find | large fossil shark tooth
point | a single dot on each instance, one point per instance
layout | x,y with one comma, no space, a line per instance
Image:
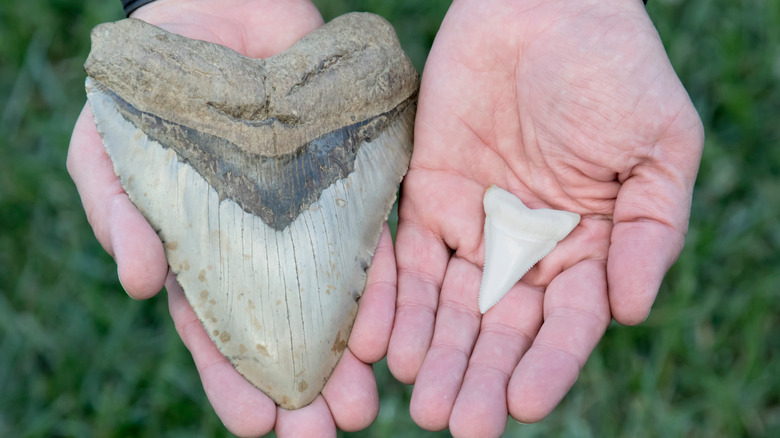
516,238
268,180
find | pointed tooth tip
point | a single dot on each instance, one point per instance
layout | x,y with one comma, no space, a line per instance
484,303
484,307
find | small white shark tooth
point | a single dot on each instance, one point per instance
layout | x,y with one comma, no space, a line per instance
516,238
268,180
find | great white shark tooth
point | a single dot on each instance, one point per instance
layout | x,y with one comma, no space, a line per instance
516,238
268,180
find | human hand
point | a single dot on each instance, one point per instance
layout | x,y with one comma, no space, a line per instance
568,105
256,28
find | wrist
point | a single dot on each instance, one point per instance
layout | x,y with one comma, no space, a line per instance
254,28
152,11
131,5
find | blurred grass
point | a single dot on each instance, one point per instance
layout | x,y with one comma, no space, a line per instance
79,358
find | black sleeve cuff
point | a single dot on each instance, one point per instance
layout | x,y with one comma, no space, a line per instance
132,5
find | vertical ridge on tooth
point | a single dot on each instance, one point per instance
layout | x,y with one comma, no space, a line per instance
516,238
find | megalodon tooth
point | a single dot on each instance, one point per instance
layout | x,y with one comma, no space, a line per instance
268,180
516,238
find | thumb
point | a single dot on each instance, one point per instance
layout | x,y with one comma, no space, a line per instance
118,225
651,221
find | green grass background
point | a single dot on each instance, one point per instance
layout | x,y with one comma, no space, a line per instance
79,358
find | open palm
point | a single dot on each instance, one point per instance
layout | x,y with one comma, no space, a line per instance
568,105
256,28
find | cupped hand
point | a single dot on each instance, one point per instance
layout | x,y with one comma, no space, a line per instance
255,28
568,105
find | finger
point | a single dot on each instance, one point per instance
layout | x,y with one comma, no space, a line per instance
457,326
243,409
651,220
651,215
374,322
422,260
312,420
351,394
119,227
640,255
506,333
576,316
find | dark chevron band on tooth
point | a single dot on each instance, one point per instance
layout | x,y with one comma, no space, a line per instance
275,188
